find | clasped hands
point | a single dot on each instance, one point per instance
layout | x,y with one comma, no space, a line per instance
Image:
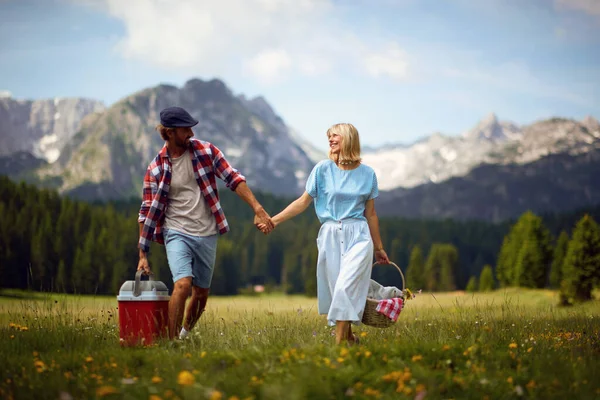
263,221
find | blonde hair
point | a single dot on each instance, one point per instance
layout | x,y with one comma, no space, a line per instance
350,148
163,131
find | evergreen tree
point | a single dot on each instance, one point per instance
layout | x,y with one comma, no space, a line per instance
40,254
416,269
486,279
581,268
61,278
309,269
525,254
433,267
507,257
472,285
560,251
448,255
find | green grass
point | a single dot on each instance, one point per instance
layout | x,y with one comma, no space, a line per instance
502,345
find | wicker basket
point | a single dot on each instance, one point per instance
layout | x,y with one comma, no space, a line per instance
373,318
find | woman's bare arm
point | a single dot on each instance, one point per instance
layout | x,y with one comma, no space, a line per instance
373,221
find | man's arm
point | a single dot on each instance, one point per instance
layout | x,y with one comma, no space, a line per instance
143,261
260,215
149,189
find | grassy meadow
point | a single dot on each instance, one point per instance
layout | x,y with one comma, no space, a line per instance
508,344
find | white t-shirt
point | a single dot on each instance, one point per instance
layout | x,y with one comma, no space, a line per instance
187,211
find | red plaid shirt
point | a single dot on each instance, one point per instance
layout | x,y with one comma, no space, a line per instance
207,162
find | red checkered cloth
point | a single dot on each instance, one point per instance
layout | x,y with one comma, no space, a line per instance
391,308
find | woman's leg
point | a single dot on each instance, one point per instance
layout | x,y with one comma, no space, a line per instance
341,331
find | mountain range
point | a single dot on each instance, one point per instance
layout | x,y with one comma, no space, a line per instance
439,157
110,151
493,171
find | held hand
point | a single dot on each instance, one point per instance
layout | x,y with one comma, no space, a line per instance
144,265
262,218
381,257
263,228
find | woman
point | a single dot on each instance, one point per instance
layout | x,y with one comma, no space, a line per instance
344,191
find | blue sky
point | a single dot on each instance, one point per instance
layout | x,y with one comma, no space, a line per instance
398,69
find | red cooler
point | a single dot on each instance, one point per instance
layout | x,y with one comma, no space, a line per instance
143,311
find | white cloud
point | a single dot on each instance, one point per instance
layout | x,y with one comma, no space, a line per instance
591,7
392,62
269,39
269,66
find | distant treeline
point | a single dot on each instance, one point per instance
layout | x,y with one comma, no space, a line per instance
53,243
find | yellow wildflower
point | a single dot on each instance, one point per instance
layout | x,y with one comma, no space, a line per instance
89,359
106,390
512,346
185,378
39,365
216,395
156,379
417,357
372,392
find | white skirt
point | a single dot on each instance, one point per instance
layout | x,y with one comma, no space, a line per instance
344,269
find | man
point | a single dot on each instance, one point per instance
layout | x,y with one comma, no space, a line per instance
181,210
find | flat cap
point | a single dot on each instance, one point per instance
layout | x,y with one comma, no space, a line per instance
176,117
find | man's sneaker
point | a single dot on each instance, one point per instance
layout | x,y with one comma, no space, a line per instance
183,334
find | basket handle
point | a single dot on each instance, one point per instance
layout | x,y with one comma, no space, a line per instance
399,270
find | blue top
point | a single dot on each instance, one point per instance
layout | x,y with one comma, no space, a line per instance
341,194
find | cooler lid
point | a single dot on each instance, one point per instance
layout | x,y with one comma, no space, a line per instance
137,286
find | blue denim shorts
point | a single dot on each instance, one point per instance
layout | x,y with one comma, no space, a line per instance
191,256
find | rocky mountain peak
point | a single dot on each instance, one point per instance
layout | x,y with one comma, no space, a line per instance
122,141
490,119
490,128
591,123
42,127
438,157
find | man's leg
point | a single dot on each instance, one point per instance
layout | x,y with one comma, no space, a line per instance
195,307
205,250
181,292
